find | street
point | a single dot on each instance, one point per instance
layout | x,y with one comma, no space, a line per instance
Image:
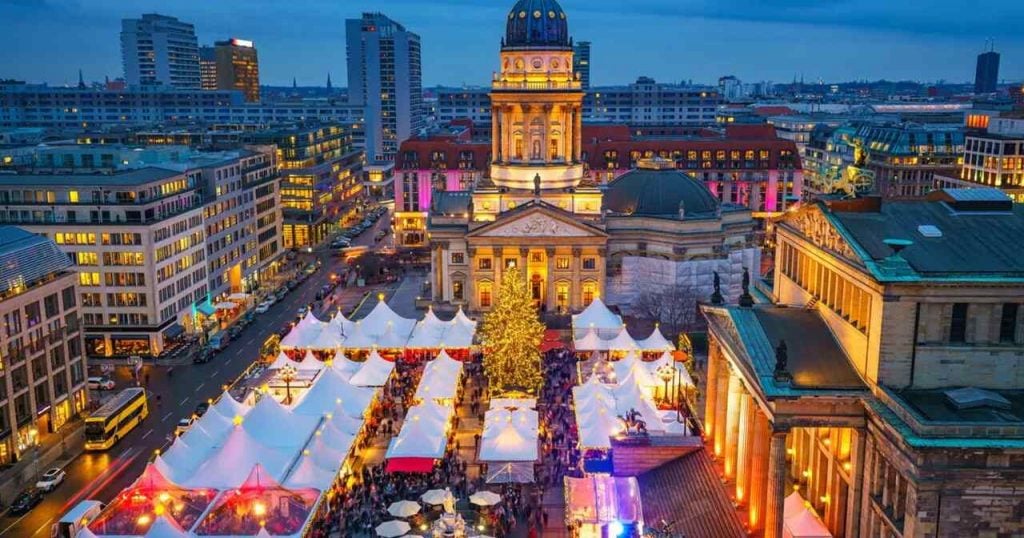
102,475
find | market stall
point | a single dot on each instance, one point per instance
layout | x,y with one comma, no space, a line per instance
600,505
600,318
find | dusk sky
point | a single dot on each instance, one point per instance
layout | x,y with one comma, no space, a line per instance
671,40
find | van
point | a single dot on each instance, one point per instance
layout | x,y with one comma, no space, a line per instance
75,520
101,383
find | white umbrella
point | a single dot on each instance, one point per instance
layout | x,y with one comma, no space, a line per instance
485,498
226,305
404,508
390,529
434,496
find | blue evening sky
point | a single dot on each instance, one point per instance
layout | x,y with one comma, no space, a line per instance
671,40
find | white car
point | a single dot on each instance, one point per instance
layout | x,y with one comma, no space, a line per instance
262,308
51,479
101,383
184,424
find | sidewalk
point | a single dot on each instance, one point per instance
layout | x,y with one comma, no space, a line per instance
56,451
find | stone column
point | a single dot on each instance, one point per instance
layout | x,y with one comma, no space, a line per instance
499,267
857,477
545,140
549,281
743,448
577,283
732,424
721,409
776,490
577,134
760,440
469,288
495,137
711,391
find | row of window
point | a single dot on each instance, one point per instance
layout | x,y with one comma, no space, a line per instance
589,263
842,296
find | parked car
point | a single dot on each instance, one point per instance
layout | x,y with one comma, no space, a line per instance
263,307
235,331
101,383
26,501
201,409
50,480
184,424
203,356
302,312
281,293
341,243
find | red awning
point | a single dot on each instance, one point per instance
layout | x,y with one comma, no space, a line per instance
410,465
553,340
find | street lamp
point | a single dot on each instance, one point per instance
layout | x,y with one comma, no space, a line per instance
288,374
665,373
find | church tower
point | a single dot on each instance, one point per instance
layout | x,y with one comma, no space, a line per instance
537,102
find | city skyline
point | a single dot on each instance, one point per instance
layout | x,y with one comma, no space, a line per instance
694,40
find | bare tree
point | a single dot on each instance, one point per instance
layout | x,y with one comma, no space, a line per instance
675,307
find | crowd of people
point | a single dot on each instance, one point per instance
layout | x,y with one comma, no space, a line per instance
356,508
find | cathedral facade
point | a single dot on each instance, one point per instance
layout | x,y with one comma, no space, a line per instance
537,209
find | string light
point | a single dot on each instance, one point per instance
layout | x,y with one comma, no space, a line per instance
511,335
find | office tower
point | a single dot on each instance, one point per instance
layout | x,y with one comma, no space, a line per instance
581,62
986,75
384,77
238,68
157,49
208,67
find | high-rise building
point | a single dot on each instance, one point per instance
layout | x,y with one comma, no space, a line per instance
160,50
43,386
238,67
385,78
986,74
208,67
581,62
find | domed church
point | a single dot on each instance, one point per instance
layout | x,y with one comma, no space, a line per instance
538,212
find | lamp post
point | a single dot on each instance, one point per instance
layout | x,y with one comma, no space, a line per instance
288,374
665,373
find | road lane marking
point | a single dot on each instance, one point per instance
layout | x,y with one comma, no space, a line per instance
15,523
167,416
216,372
250,342
238,352
183,402
200,386
43,526
149,431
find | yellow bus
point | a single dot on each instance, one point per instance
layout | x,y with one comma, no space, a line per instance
111,422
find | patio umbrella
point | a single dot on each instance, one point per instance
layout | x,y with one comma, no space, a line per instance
434,496
390,529
404,508
485,498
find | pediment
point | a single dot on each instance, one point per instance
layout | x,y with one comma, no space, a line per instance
817,228
537,222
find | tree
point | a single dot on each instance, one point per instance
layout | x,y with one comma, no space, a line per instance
511,337
675,307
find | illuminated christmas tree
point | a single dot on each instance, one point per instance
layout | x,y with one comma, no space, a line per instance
511,337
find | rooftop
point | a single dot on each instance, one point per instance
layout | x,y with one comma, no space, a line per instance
952,234
27,258
936,405
130,178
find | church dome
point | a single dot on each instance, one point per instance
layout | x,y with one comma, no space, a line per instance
537,24
657,189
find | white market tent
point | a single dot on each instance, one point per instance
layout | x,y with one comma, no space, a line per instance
590,341
596,316
309,363
304,333
344,365
441,379
382,328
283,360
509,436
622,342
805,525
656,342
375,372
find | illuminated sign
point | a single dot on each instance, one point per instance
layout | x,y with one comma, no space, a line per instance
241,43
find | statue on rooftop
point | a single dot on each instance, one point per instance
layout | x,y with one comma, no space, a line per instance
716,296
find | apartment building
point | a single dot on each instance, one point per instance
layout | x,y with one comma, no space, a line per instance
43,365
